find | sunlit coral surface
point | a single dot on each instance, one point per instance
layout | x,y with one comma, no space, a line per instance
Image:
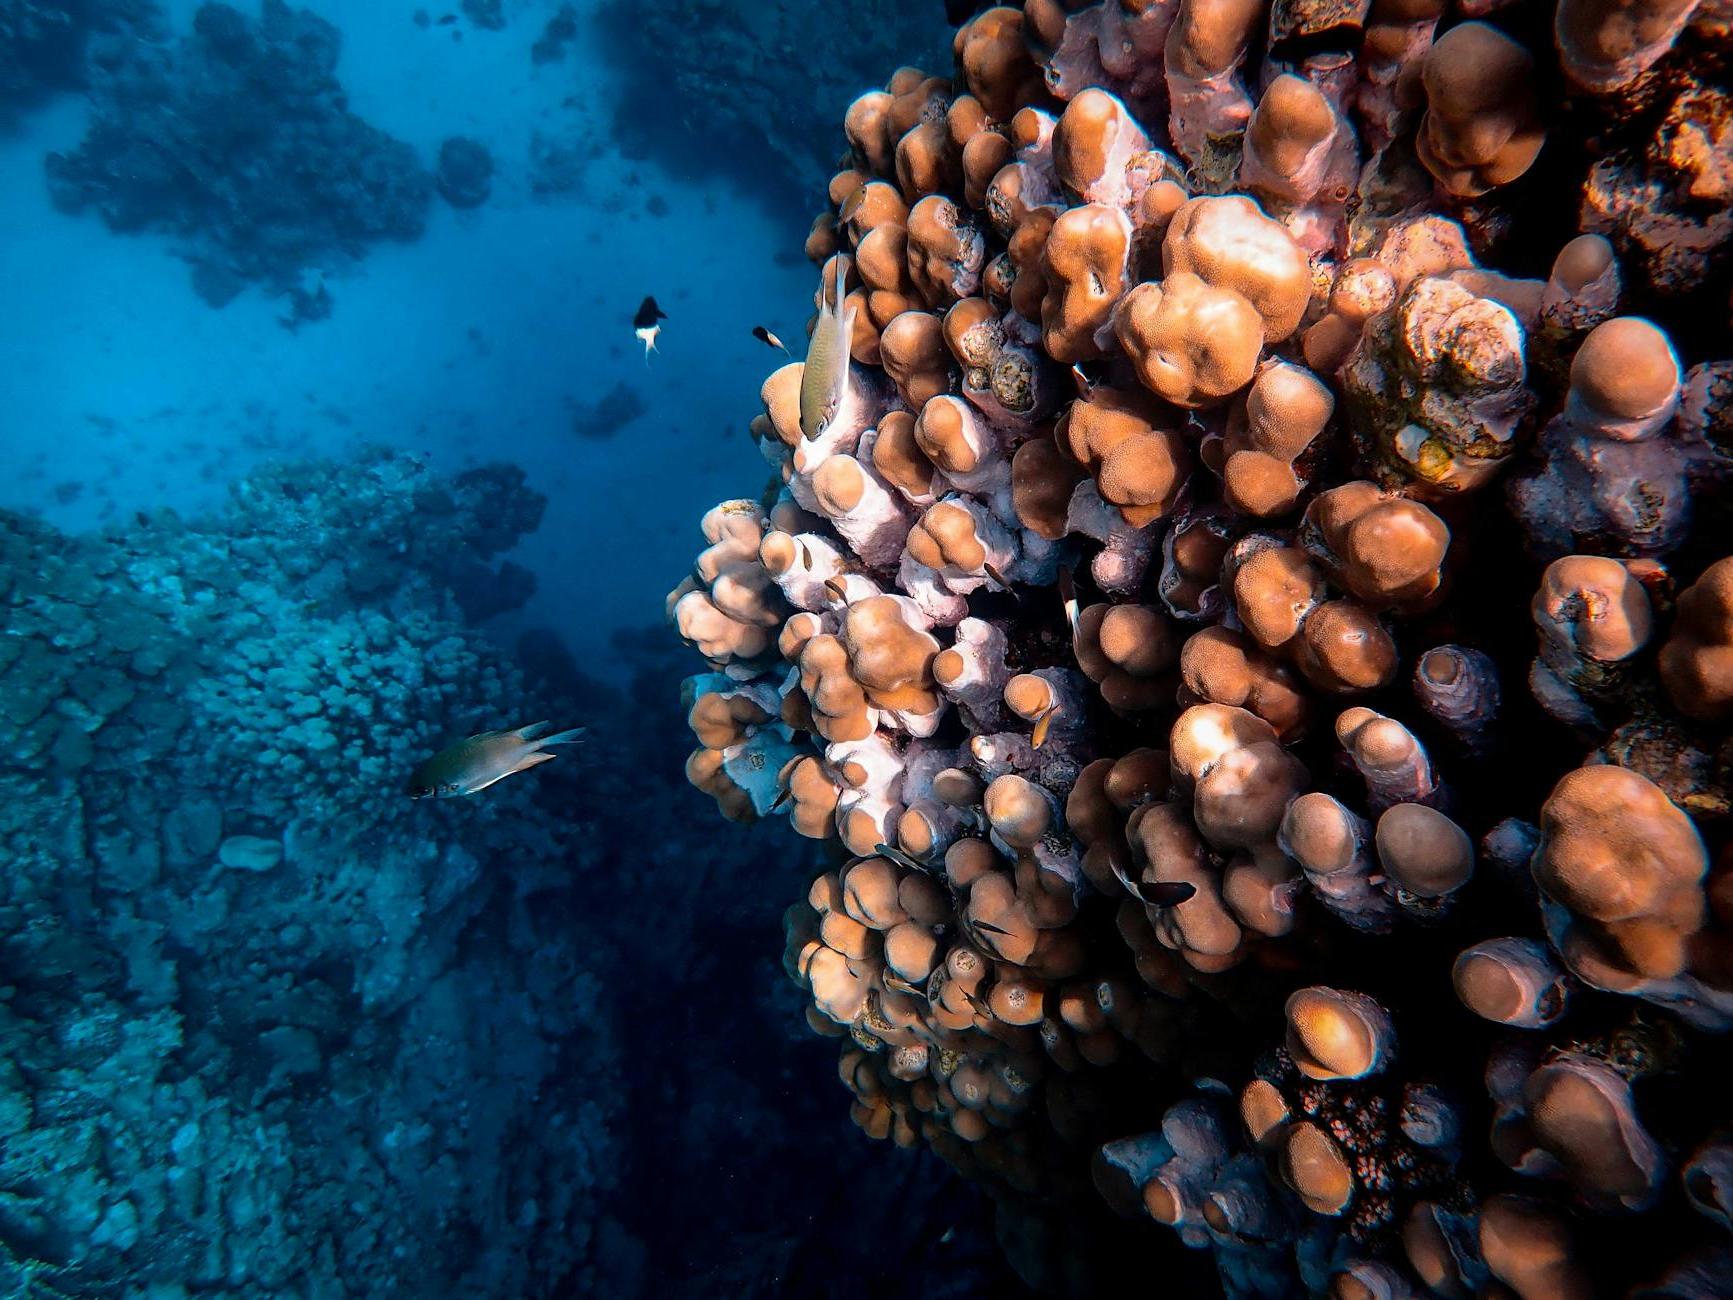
1256,629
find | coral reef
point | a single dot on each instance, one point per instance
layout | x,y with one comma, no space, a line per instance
557,33
48,45
271,1027
485,14
237,141
735,79
1249,630
608,414
729,1087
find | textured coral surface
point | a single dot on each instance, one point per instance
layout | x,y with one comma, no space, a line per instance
1249,625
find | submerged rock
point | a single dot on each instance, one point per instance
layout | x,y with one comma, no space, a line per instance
465,175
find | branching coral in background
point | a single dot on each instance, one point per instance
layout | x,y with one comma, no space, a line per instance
1233,391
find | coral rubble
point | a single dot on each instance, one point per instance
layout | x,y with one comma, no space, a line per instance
270,1027
237,141
1252,633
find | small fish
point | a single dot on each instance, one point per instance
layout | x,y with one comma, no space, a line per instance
1085,385
446,20
824,379
897,856
1043,725
470,766
990,928
977,1003
645,327
995,575
805,555
1068,594
765,336
784,797
893,980
1162,893
836,588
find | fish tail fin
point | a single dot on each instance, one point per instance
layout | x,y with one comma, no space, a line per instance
533,730
562,737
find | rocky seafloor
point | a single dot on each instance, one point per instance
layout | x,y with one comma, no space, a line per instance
271,1027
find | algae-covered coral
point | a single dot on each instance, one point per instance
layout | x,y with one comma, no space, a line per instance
1253,636
264,1036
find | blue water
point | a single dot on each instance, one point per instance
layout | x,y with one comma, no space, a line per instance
267,1027
469,344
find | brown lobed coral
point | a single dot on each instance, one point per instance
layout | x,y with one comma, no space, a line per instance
1256,640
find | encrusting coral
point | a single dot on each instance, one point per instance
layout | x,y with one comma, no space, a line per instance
1271,575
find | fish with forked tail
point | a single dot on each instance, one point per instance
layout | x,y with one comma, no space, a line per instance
824,379
765,337
645,325
471,765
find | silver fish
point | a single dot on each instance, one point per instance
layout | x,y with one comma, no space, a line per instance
824,378
471,765
765,337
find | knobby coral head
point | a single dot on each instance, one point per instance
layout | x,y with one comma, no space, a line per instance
1241,595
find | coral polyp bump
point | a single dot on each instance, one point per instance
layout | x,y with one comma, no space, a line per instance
1256,640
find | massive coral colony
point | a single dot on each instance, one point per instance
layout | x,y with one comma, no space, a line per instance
1257,622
